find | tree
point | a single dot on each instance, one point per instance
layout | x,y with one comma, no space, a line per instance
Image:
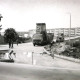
1,17
10,36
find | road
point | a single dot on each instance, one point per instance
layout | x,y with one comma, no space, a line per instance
46,68
13,71
22,56
41,60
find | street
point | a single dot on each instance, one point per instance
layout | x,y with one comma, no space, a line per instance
24,55
41,60
27,24
45,68
13,71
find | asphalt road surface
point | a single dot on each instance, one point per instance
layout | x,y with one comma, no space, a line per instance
13,71
41,60
59,69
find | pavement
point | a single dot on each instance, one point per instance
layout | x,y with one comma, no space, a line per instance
14,71
45,67
24,56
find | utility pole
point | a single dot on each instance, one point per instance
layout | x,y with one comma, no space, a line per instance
69,27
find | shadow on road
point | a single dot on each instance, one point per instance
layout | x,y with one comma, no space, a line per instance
7,60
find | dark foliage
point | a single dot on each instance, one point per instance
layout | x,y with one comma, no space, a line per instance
72,52
10,34
24,40
76,44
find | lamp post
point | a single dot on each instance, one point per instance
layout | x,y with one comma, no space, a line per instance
69,26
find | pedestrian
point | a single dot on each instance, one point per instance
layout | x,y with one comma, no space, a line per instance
9,43
51,44
17,42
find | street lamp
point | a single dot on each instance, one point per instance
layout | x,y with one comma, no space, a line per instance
70,27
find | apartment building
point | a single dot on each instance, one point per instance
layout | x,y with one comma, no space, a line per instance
66,31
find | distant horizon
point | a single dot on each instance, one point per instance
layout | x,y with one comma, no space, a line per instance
46,29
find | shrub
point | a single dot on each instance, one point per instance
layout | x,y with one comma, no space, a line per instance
72,52
76,44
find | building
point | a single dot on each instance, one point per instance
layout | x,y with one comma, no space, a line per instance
23,34
66,31
31,32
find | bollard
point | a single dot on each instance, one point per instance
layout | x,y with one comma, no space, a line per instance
32,58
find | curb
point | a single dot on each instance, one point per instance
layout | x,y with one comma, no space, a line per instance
67,58
63,57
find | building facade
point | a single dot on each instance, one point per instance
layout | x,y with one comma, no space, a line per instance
66,31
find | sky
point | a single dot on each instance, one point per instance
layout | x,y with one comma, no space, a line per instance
22,15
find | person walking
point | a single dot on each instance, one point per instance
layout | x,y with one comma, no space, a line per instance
17,42
9,43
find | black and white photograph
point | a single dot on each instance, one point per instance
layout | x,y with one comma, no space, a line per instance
39,39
